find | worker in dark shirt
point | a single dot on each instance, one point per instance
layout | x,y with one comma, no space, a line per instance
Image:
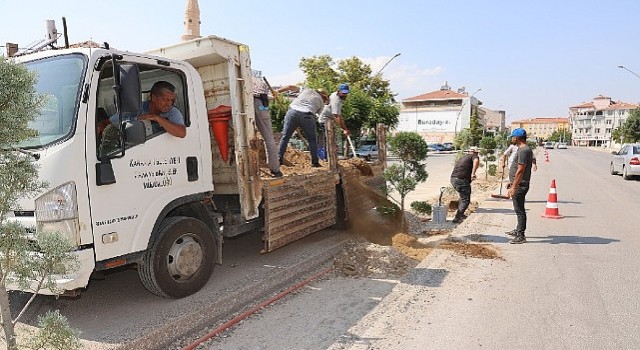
464,171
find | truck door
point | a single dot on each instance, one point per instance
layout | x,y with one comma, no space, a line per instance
150,175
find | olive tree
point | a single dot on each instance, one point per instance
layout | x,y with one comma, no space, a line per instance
19,105
404,176
488,154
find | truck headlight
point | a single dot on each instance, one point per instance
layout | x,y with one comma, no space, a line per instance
57,210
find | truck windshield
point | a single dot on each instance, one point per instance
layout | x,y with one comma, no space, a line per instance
59,80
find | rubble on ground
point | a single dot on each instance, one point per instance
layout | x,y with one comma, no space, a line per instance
380,247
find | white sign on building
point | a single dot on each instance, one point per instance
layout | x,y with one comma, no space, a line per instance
428,121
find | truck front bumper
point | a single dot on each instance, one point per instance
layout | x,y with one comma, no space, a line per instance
78,278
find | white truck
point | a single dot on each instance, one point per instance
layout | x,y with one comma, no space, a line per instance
144,197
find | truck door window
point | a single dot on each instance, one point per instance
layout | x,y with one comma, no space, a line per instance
107,132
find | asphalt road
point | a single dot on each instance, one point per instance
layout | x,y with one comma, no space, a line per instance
573,285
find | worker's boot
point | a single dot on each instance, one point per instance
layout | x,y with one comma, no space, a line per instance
459,217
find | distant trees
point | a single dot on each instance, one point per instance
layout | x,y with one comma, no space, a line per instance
370,101
561,135
469,136
629,131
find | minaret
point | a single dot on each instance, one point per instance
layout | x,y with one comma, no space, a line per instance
191,21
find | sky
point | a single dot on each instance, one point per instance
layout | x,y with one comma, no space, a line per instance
531,59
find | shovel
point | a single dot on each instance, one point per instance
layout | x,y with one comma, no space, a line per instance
500,195
353,150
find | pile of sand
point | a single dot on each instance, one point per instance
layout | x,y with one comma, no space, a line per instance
365,259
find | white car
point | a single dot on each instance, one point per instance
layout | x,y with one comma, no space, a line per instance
562,145
626,161
549,145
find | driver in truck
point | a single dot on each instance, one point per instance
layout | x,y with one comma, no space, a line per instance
159,109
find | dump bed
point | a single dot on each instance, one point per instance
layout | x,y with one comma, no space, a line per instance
225,69
294,206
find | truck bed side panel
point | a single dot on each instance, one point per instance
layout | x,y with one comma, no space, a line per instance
296,206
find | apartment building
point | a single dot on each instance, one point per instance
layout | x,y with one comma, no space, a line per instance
592,123
541,128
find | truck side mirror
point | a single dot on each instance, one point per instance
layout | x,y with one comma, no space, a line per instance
130,90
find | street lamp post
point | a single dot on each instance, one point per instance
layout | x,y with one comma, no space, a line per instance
630,71
455,129
385,65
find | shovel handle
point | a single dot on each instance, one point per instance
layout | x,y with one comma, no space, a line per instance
353,150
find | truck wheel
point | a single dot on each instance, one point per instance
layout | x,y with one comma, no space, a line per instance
180,259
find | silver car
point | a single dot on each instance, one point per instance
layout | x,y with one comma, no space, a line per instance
367,152
626,161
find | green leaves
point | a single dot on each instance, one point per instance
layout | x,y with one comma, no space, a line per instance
409,146
19,102
26,260
403,177
370,100
630,130
54,333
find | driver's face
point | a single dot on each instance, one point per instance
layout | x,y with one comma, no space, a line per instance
163,101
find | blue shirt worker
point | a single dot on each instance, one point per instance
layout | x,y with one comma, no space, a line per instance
333,111
464,171
519,176
161,110
302,114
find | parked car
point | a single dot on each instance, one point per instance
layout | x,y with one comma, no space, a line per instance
626,161
562,145
435,147
367,152
448,146
548,145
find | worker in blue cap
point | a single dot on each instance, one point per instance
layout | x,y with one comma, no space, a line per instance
519,177
333,112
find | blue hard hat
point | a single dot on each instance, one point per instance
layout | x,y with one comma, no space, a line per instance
343,88
519,132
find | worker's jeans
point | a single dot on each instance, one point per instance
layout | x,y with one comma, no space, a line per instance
263,122
518,200
307,124
464,190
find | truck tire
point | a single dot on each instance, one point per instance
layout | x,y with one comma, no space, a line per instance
180,259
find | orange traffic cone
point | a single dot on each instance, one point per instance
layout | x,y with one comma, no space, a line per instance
219,122
551,211
546,156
